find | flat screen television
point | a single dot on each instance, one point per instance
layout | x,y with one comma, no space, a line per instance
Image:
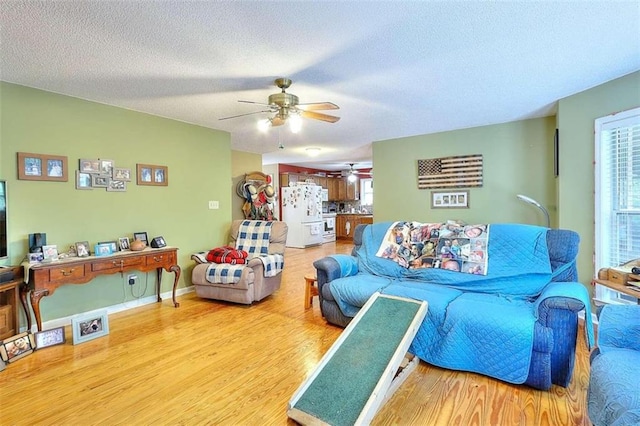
3,220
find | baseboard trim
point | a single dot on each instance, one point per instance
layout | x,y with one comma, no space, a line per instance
120,307
594,317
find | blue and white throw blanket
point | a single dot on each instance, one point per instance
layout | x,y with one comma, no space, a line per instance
253,237
479,323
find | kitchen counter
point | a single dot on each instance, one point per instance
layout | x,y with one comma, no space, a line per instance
355,214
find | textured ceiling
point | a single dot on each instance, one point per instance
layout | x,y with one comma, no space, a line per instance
395,68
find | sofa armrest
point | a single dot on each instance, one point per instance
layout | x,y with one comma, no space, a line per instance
200,257
336,266
619,327
566,296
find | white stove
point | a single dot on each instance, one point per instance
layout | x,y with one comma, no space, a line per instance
329,231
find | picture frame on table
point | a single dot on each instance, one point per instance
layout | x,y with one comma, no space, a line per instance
123,242
142,236
102,249
90,165
16,347
82,249
152,175
83,180
42,167
89,326
50,252
52,337
449,199
112,244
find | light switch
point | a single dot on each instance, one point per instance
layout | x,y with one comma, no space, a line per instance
213,205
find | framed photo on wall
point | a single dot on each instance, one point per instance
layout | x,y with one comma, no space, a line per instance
152,175
42,167
449,199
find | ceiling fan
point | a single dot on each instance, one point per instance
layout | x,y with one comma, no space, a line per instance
285,106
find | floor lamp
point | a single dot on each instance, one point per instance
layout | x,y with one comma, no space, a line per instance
538,205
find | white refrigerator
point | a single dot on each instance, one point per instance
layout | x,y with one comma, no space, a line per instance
302,211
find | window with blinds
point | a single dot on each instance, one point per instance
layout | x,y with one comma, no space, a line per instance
617,209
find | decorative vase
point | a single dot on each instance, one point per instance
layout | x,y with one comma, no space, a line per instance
137,245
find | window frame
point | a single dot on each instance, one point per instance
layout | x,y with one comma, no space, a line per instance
604,212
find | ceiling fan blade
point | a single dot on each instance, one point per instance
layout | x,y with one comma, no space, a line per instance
242,115
319,116
317,106
255,103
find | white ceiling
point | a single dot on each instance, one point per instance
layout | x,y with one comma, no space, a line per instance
395,68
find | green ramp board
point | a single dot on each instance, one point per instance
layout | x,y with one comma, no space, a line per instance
353,378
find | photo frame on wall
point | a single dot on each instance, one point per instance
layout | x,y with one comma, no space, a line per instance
449,199
83,180
42,167
152,175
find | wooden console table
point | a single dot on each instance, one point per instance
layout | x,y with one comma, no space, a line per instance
44,278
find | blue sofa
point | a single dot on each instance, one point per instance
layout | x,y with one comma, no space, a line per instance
614,384
518,323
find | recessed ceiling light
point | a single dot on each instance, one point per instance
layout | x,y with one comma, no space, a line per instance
313,152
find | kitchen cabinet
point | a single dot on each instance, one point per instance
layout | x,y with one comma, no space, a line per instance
332,186
352,189
353,220
342,189
287,178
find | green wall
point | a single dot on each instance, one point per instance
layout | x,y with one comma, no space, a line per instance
241,164
576,116
517,157
199,164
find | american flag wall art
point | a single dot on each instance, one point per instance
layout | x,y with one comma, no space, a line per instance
450,172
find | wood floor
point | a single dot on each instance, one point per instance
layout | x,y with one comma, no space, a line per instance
216,363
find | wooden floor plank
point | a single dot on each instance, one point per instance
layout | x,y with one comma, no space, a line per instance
210,362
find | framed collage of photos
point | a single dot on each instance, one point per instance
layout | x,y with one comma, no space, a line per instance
449,199
102,173
42,167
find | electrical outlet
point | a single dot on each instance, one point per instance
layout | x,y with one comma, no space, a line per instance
213,205
132,279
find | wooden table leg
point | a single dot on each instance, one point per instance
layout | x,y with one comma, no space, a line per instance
35,304
24,290
177,271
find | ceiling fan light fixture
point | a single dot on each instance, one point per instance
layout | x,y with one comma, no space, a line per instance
313,151
351,178
264,124
295,123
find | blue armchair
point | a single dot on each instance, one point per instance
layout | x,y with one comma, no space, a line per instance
614,385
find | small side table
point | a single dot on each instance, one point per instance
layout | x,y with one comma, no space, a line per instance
310,290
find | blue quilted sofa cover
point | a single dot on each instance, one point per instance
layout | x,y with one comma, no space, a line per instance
518,323
614,385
